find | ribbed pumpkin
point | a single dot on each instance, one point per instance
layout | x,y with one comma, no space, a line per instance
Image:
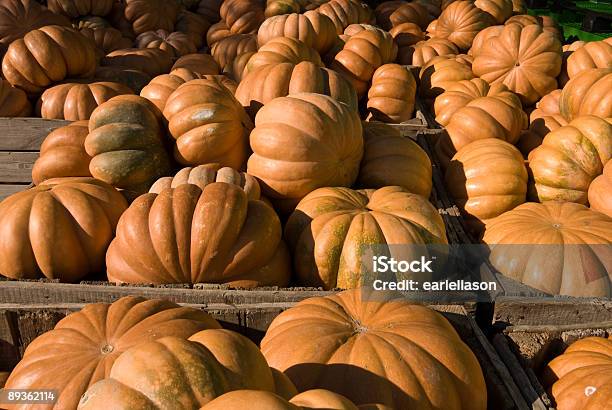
91,22
482,37
303,142
194,25
208,124
500,10
486,178
390,159
226,51
279,80
152,61
365,345
589,93
422,52
243,16
106,39
218,32
391,96
580,378
547,106
202,64
264,400
204,175
600,191
561,248
312,28
212,242
146,15
362,54
460,22
594,54
393,13
547,23
176,44
538,129
570,158
75,101
135,79
13,101
94,338
238,68
281,7
62,154
162,86
47,55
126,144
526,59
76,8
59,229
283,50
405,35
441,72
343,13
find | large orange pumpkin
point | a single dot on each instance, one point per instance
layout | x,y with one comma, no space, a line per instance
460,22
218,32
482,37
547,23
59,229
588,93
303,142
161,87
283,50
226,50
422,52
343,13
547,106
600,191
366,345
406,35
538,129
391,96
393,13
106,39
77,8
265,400
93,339
208,124
243,16
202,64
500,10
442,72
176,44
148,15
13,101
152,61
562,248
594,54
215,238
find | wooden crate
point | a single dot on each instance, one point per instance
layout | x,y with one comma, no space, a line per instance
20,324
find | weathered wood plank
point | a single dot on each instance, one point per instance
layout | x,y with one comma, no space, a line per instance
10,189
26,134
16,167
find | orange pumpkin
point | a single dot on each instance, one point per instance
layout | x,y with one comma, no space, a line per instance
76,8
13,101
201,64
238,68
176,44
227,50
218,32
283,50
391,96
194,25
500,10
392,13
589,93
600,191
343,13
264,400
405,35
135,79
106,39
547,106
538,129
547,23
441,72
594,54
243,16
162,86
422,52
482,37
146,15
151,61
460,22
281,7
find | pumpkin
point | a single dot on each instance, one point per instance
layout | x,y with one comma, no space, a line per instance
482,37
47,55
226,50
362,54
361,343
580,377
126,144
392,13
441,72
279,80
281,7
314,29
94,338
460,22
264,400
75,101
588,93
390,159
526,59
147,15
291,145
204,175
208,124
77,8
519,7
547,23
194,25
238,68
210,9
392,94
59,229
106,39
215,240
91,22
561,248
570,158
500,10
162,86
600,191
202,64
135,79
217,32
151,61
62,154
13,101
538,129
422,52
405,35
486,178
225,81
343,13
547,106
18,17
283,50
594,54
243,16
176,44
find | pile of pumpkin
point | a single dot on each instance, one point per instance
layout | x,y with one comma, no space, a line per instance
250,113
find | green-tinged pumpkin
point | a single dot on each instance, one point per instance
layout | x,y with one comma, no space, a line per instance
588,93
600,191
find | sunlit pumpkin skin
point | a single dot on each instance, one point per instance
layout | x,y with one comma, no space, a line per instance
194,25
106,39
483,191
460,22
580,377
283,50
76,8
362,54
208,124
570,158
594,54
238,68
547,106
146,15
281,7
126,143
343,13
538,129
588,93
600,191
176,44
13,101
291,145
133,78
162,86
392,13
202,64
405,35
75,101
279,80
390,159
227,50
204,175
482,37
243,16
500,10
59,229
47,55
264,400
94,338
391,96
565,248
442,72
214,240
62,154
422,52
547,23
358,343
312,28
152,61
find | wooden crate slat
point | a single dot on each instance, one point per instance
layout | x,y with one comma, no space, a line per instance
16,167
26,134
